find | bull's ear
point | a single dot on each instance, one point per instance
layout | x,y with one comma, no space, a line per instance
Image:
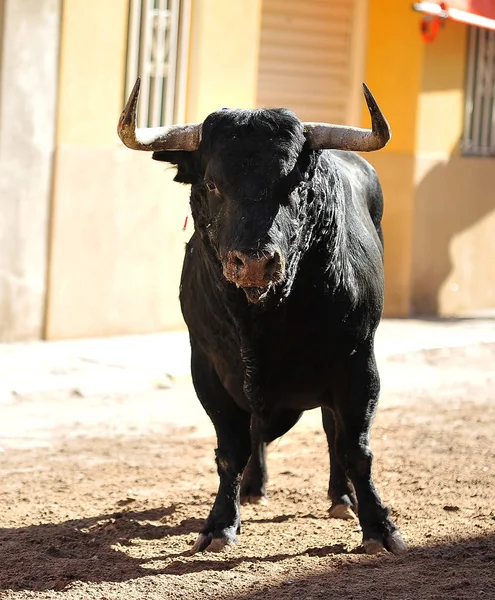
186,163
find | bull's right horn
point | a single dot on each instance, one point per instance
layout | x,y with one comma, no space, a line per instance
343,137
172,137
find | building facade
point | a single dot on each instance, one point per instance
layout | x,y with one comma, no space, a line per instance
91,234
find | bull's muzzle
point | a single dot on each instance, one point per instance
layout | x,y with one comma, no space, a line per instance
255,273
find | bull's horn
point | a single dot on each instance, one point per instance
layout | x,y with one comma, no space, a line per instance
172,137
342,137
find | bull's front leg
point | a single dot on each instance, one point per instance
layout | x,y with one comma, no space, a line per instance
219,533
355,400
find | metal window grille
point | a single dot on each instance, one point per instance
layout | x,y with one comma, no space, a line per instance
157,50
479,121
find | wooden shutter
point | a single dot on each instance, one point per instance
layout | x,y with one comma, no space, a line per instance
305,58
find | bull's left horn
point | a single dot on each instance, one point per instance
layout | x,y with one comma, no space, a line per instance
173,137
342,137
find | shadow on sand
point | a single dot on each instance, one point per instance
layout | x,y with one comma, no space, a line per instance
51,556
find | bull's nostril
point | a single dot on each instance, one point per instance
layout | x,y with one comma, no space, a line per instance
254,270
272,264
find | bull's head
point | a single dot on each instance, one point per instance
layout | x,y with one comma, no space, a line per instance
248,169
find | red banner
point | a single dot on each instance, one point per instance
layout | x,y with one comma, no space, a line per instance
482,8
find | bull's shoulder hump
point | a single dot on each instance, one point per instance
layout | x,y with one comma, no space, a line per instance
351,162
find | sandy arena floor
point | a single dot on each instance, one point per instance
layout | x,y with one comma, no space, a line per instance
102,495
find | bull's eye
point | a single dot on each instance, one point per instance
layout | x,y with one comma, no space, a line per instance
210,186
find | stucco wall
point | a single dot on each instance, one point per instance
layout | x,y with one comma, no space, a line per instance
440,209
454,219
393,73
28,90
454,244
117,243
223,66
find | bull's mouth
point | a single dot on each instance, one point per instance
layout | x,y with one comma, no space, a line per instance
256,294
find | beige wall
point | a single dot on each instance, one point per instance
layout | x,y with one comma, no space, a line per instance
91,71
396,173
117,240
120,244
29,39
454,245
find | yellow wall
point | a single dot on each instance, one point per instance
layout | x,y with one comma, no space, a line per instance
116,236
439,207
92,63
394,68
454,246
441,101
116,242
224,56
393,73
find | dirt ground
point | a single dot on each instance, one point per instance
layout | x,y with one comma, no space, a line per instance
109,512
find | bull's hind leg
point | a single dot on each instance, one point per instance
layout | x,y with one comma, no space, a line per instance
340,489
255,477
355,400
233,438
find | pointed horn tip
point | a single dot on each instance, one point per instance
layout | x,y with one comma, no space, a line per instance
373,106
368,95
128,113
136,86
134,95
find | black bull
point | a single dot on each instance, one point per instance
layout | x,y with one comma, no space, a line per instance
282,292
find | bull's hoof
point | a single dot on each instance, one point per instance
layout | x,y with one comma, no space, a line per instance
342,511
207,543
374,547
393,542
252,492
262,500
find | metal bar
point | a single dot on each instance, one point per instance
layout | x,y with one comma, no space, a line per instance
467,140
487,91
145,66
132,46
492,96
172,61
161,16
478,90
184,38
357,55
431,8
